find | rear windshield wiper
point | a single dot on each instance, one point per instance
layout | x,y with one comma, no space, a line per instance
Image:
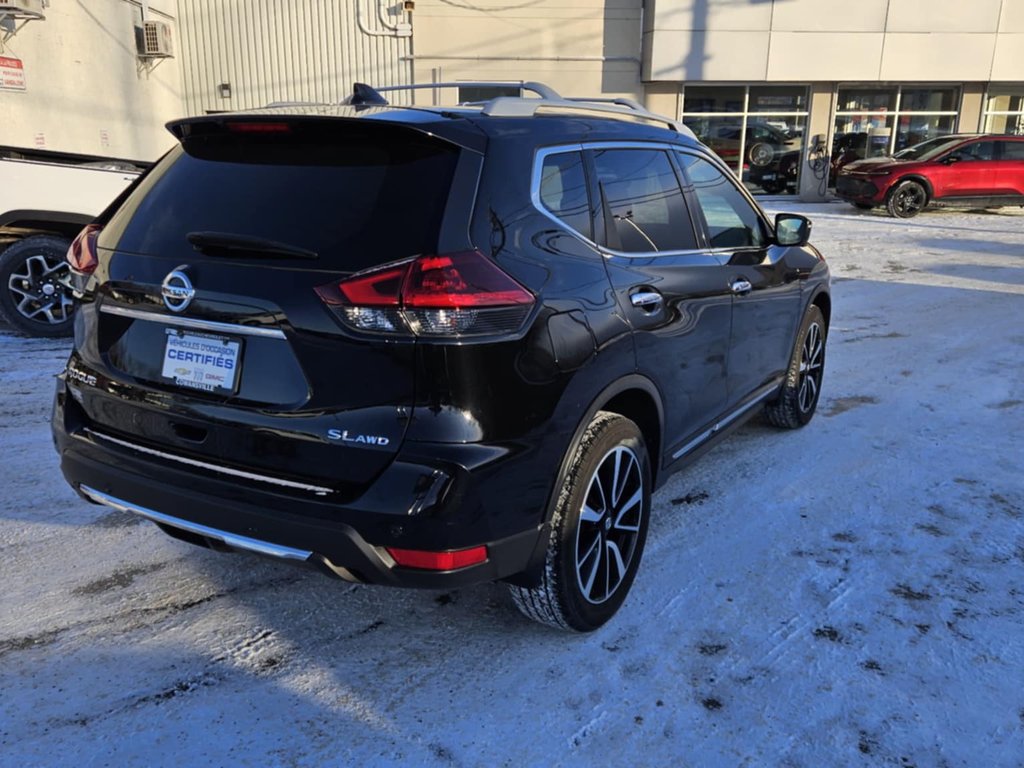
227,244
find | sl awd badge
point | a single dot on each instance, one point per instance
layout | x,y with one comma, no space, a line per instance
177,289
345,437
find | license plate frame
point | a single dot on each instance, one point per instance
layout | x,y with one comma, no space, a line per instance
203,362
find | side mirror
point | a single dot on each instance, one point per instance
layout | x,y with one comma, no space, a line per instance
950,159
792,229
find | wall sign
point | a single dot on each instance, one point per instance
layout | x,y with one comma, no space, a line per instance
12,74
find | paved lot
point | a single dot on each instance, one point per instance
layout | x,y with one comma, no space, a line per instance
850,594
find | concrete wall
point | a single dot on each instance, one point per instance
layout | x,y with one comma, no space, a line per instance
85,91
578,47
288,50
834,40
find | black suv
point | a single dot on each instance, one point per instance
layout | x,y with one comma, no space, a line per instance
431,346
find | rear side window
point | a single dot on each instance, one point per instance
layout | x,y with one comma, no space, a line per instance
731,221
563,191
644,201
1012,150
356,196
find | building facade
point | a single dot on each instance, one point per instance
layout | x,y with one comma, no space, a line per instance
789,90
72,79
786,91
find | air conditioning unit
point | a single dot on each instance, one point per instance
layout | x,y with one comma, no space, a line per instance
31,7
155,41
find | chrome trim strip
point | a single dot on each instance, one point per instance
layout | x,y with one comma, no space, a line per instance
538,167
763,393
317,489
194,322
231,539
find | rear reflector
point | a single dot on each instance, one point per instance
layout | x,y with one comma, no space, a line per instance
438,561
82,254
450,295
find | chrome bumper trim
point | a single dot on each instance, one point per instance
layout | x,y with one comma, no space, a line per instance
194,322
319,490
230,539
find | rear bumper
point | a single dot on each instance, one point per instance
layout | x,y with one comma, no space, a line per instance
346,540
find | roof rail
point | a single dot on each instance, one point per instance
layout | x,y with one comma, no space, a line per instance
624,108
363,94
520,106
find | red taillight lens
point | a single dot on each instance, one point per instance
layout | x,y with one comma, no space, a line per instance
452,295
376,289
438,561
460,280
82,254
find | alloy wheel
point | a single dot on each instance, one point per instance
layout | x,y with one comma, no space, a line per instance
909,200
41,290
609,525
812,354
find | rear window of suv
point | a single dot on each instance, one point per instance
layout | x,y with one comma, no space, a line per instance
357,196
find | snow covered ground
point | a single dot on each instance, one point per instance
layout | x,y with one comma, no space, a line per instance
847,594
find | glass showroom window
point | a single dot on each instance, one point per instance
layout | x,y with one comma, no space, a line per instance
871,122
1004,110
757,130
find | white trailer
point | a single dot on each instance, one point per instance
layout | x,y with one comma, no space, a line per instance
45,200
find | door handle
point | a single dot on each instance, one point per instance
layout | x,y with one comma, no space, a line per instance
648,301
741,287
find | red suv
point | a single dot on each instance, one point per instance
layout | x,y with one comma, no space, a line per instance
976,170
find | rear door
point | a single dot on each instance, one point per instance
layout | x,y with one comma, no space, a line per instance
1009,176
205,317
673,293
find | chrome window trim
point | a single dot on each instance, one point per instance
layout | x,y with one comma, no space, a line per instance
193,322
231,539
538,165
319,490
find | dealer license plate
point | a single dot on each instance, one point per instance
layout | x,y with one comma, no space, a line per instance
202,361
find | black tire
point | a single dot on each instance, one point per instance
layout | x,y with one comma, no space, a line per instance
798,399
863,206
593,554
35,292
906,199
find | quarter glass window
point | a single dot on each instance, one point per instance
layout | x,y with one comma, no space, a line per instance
563,191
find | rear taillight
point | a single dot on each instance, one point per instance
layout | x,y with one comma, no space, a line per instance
455,294
82,254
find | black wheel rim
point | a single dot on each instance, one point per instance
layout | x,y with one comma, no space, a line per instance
609,525
910,200
41,290
812,365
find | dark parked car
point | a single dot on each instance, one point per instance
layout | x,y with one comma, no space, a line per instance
432,346
975,170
